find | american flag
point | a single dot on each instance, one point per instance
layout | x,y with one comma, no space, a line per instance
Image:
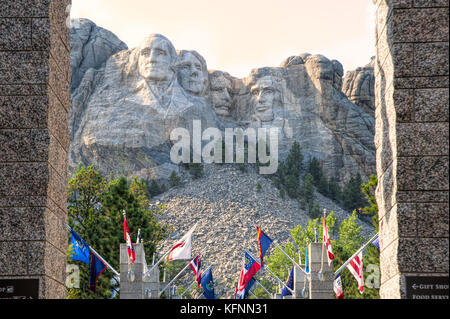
127,236
356,268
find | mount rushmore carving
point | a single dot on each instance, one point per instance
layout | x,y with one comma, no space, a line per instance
125,106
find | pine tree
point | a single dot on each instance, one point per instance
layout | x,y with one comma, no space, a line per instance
174,179
308,189
334,189
323,186
95,213
315,170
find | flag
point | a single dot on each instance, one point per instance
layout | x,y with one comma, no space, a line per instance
138,238
80,248
182,248
289,283
376,242
196,264
97,267
337,287
356,268
263,244
249,268
126,232
207,284
316,240
326,240
306,261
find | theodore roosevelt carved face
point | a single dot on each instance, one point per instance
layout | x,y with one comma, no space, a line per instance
220,90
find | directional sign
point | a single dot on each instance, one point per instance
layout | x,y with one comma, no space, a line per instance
19,288
430,287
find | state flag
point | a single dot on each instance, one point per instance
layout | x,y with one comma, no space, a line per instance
80,249
126,231
264,243
182,248
337,287
196,264
287,290
97,267
249,268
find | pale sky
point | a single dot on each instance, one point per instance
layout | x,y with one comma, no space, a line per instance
238,35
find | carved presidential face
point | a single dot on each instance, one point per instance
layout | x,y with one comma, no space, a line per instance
191,74
155,59
264,97
322,67
221,93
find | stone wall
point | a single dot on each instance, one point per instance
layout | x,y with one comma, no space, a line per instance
34,139
412,140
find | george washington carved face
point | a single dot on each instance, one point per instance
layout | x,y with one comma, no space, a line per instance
156,57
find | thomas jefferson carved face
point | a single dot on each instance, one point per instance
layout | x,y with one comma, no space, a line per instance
221,93
156,58
264,97
192,73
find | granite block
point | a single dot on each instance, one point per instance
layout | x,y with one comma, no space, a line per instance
40,141
419,139
431,105
431,173
24,67
403,59
24,90
15,145
430,59
433,219
16,265
420,25
58,120
430,3
423,196
24,8
23,179
22,223
421,82
23,112
431,257
15,34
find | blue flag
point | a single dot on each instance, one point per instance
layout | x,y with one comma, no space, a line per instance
207,284
306,261
97,267
376,243
315,235
289,283
80,248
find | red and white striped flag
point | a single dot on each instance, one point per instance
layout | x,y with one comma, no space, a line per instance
182,248
326,240
127,236
356,268
337,287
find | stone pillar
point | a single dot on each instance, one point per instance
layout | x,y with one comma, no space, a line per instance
34,140
319,289
412,140
141,287
299,282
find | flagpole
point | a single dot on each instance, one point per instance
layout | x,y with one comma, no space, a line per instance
192,284
178,275
267,267
98,255
323,244
356,253
257,281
